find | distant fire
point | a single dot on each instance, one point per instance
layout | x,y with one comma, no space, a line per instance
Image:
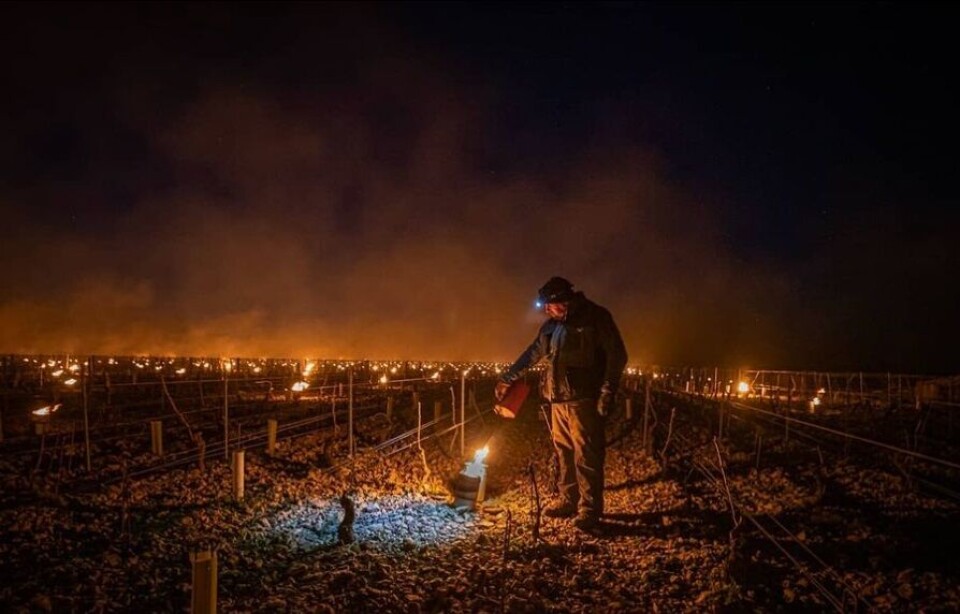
299,386
46,411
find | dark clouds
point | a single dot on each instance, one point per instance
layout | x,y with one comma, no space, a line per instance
349,190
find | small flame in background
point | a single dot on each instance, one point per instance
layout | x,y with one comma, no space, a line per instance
384,379
46,411
743,387
299,386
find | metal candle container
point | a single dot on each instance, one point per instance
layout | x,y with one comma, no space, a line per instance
470,486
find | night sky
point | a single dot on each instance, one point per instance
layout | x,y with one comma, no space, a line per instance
744,185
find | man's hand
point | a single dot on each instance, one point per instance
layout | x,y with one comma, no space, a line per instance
500,391
606,403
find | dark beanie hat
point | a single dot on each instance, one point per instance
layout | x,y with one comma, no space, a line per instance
557,290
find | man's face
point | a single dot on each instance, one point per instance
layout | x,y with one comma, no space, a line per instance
557,311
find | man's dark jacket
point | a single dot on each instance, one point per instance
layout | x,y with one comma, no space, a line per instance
584,353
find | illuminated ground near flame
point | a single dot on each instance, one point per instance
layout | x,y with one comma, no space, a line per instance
387,523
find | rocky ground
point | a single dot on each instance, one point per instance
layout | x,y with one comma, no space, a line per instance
666,543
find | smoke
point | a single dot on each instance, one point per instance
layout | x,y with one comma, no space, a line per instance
329,201
298,229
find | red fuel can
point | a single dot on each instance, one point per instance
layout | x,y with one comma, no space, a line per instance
511,403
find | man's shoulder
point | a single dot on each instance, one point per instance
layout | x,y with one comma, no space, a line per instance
596,312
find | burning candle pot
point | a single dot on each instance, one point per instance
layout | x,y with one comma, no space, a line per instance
470,485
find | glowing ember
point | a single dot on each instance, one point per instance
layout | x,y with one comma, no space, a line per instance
299,386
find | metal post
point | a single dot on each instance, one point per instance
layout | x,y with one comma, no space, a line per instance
271,436
226,415
204,599
156,437
463,412
238,475
350,411
899,390
86,415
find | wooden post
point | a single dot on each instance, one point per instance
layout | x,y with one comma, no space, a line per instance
889,391
204,599
352,445
390,407
437,412
647,407
416,399
156,437
271,436
628,408
238,475
861,388
463,412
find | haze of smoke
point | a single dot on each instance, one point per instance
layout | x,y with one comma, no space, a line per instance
300,238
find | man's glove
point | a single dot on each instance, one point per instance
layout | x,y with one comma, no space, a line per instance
606,402
500,390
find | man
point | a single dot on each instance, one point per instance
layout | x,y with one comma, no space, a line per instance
585,357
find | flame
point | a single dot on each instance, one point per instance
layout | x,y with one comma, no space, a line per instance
46,411
481,455
384,379
435,375
257,369
57,373
181,371
299,386
308,369
70,382
743,387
